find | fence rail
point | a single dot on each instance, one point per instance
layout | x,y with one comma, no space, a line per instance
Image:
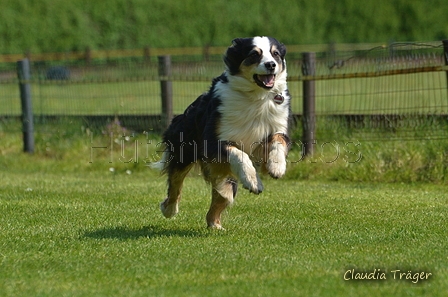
147,52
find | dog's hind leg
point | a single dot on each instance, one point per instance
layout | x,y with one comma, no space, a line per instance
223,193
176,176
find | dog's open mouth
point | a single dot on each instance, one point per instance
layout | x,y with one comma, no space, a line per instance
265,80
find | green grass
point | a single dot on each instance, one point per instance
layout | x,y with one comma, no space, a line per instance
98,234
71,227
110,98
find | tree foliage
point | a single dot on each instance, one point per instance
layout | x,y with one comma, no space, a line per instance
58,25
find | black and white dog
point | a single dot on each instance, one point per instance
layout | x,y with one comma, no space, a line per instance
240,124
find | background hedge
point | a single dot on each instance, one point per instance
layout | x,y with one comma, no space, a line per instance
58,25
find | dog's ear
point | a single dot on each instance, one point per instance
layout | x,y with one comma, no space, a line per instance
282,49
233,57
237,41
280,46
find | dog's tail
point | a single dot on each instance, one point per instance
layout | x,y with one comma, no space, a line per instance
162,164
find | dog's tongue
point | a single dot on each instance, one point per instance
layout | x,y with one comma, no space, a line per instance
267,80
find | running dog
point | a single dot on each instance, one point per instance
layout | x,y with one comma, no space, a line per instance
239,125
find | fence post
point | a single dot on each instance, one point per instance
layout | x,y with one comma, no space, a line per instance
23,73
146,54
166,87
308,117
206,52
445,55
88,55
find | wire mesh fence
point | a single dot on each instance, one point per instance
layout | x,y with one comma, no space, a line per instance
388,92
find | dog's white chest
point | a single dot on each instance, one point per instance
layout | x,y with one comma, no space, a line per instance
248,123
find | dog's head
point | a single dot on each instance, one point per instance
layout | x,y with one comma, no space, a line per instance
260,60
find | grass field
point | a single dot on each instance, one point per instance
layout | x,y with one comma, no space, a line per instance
70,226
108,98
101,234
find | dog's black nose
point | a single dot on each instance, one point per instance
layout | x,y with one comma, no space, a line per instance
270,65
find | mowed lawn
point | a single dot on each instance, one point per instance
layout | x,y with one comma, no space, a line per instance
100,233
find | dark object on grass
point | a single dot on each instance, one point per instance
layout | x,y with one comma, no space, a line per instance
57,73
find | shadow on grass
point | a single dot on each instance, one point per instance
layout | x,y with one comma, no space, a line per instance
125,233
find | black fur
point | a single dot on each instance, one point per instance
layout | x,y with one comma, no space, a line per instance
192,136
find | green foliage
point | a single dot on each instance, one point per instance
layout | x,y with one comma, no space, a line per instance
341,154
402,154
57,26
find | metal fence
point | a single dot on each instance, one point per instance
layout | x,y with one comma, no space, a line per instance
400,88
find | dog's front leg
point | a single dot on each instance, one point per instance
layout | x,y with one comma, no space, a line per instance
242,167
277,151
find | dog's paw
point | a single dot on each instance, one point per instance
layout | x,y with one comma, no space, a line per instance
251,181
242,167
276,164
276,168
169,210
216,226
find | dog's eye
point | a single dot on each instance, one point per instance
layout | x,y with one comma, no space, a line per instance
276,53
252,57
254,54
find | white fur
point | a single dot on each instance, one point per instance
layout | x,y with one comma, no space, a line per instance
277,160
264,44
216,227
242,167
225,190
170,211
249,115
160,165
248,112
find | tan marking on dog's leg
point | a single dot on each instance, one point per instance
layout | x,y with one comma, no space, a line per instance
222,196
259,155
277,151
170,206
